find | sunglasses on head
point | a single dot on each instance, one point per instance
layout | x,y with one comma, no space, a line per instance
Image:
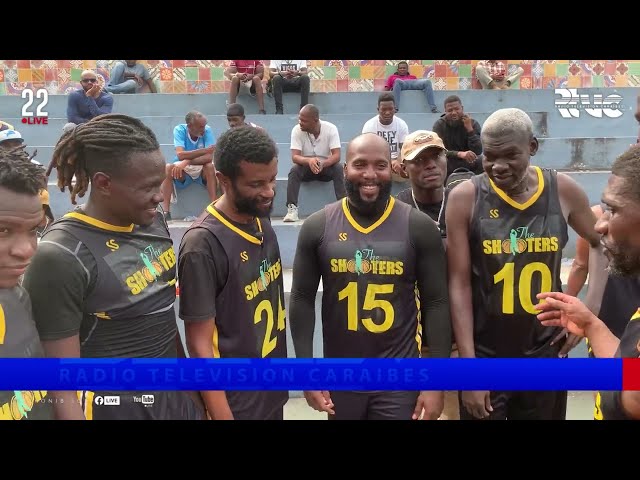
91,80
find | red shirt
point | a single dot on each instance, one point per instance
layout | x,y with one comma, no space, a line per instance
246,66
392,78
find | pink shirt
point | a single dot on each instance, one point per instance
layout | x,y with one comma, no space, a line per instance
392,78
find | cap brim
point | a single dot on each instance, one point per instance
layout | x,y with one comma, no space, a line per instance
419,150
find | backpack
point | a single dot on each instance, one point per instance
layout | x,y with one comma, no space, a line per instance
458,176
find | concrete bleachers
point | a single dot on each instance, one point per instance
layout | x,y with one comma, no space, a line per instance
583,146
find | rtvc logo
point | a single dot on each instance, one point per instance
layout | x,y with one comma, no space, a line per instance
572,102
41,116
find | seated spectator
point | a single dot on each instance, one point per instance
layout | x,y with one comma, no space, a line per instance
87,102
194,143
461,136
246,77
315,152
289,76
12,140
236,117
129,76
492,75
402,80
5,126
392,128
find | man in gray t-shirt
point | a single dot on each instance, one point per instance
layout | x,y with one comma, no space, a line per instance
128,76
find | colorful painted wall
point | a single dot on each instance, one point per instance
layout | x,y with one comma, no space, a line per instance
206,76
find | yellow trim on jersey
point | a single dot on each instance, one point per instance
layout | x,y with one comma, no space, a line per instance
231,226
3,325
528,203
216,346
99,223
636,315
357,226
86,402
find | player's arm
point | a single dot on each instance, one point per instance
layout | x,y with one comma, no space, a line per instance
582,219
431,273
197,273
458,215
580,264
57,283
306,276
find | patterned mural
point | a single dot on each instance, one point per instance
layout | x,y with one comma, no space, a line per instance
206,76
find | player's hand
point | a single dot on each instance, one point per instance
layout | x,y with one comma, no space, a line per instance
320,401
477,403
562,310
570,343
432,403
178,169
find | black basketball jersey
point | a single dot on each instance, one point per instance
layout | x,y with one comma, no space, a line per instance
134,290
608,403
19,339
516,253
620,300
370,300
250,310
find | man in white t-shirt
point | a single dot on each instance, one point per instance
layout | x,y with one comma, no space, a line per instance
289,76
315,152
392,128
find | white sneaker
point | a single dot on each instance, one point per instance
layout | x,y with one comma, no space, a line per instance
292,214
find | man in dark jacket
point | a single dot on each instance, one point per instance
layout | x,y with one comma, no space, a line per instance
461,136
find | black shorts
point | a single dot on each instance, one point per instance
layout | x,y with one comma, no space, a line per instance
523,405
393,405
160,405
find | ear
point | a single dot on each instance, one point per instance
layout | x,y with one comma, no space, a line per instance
344,169
223,180
533,146
101,182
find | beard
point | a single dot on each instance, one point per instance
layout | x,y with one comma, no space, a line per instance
249,206
368,208
624,262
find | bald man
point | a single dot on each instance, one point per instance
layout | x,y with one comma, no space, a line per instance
87,102
383,271
506,230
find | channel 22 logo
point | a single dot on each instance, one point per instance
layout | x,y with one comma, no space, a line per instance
41,116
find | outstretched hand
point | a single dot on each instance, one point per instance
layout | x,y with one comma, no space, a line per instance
562,310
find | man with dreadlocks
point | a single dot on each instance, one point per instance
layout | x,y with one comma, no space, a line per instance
107,269
20,215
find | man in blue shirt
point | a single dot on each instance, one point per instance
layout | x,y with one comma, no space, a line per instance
87,102
193,163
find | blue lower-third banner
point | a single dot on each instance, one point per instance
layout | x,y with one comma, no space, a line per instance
311,374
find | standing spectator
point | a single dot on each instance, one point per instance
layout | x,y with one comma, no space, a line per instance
315,152
492,75
403,80
129,76
392,128
194,143
87,102
461,136
246,77
290,76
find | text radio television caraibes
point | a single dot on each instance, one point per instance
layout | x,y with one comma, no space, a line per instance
33,112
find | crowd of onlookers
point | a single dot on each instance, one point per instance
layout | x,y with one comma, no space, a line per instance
315,143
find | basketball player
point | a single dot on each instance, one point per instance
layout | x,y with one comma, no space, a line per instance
103,279
383,272
505,233
20,215
230,272
618,226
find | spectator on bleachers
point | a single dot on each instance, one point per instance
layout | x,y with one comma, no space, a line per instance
315,152
461,136
236,117
194,143
392,128
129,76
492,75
246,78
5,126
289,76
87,102
403,80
